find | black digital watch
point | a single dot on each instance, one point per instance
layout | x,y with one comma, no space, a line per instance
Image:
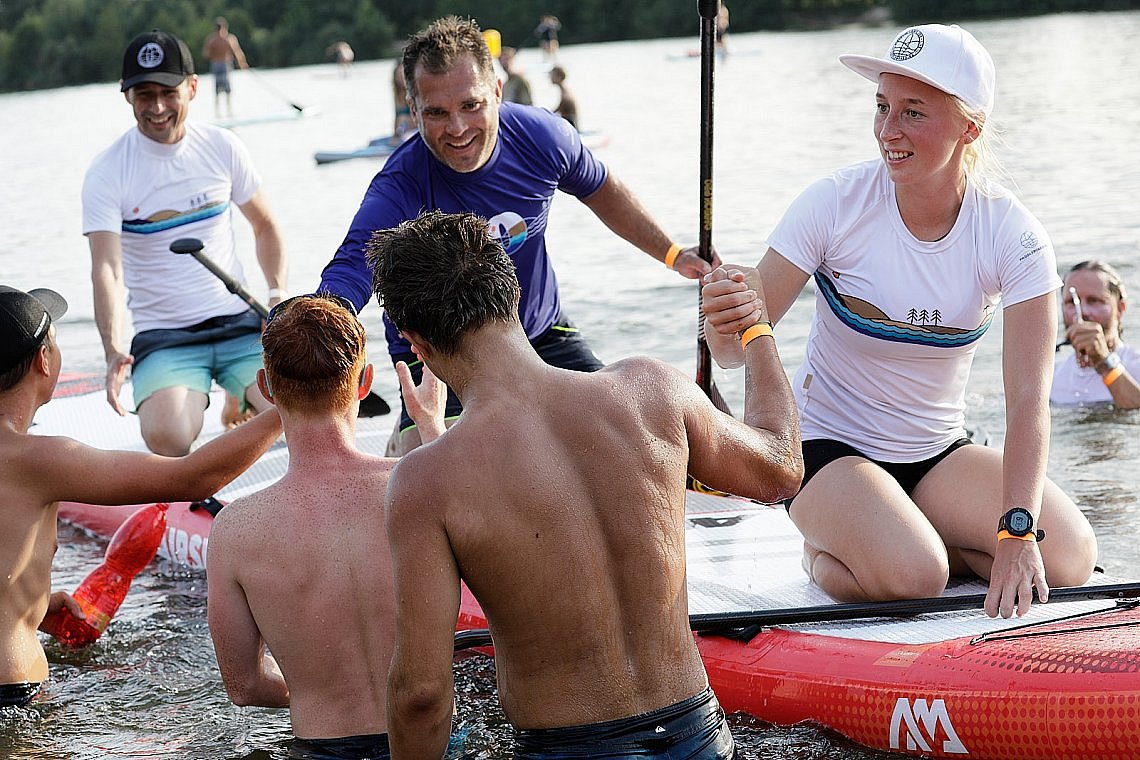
1018,522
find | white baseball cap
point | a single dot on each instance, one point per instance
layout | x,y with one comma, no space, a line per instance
946,57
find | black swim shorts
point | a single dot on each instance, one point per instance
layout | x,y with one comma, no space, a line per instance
361,747
18,694
818,453
690,729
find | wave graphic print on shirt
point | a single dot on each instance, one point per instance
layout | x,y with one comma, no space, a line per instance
168,219
923,326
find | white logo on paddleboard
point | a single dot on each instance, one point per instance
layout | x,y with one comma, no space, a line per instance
906,733
150,55
184,548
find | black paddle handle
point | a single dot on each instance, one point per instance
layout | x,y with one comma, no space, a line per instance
193,246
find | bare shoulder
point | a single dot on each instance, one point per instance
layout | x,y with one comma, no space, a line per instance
35,460
241,520
645,372
419,481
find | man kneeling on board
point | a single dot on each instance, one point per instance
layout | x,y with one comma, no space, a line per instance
37,472
563,509
301,568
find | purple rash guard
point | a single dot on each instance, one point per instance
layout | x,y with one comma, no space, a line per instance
536,153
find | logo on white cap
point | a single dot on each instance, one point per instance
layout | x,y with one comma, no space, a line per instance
151,55
907,45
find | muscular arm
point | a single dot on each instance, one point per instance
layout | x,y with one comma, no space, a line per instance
1029,335
61,469
731,304
110,305
421,692
759,458
250,674
267,239
621,211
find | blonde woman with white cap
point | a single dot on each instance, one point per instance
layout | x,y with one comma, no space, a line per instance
911,255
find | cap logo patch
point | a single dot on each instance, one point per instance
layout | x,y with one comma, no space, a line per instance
907,45
150,55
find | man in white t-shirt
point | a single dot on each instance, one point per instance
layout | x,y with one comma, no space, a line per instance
165,179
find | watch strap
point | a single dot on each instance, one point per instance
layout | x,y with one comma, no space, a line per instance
1030,536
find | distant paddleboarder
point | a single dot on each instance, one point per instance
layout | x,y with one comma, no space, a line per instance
223,52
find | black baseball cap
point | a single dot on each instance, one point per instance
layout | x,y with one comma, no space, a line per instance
24,321
158,57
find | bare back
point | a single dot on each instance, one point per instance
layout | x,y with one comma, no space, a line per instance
311,557
27,546
563,504
220,48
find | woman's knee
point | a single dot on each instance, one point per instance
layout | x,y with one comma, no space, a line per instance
918,580
1071,560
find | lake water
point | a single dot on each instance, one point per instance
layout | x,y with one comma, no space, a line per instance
786,113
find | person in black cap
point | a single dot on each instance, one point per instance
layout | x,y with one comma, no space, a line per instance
37,471
170,178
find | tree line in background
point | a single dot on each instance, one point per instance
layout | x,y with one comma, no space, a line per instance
54,43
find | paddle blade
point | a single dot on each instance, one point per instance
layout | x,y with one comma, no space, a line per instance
373,406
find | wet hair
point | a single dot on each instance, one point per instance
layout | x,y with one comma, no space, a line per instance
443,276
15,375
441,47
1112,278
314,354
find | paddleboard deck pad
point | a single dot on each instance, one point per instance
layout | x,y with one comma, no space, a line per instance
1061,682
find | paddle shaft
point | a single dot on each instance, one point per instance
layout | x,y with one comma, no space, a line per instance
193,246
372,405
719,621
265,83
708,12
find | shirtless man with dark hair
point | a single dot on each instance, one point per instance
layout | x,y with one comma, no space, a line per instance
563,509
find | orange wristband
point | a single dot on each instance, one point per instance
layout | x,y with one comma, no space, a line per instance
671,255
1004,534
752,333
1112,375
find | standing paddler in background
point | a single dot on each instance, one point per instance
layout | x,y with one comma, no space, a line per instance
1102,368
167,178
911,253
37,472
503,161
568,527
223,51
311,548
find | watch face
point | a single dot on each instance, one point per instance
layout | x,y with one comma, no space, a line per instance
1019,521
